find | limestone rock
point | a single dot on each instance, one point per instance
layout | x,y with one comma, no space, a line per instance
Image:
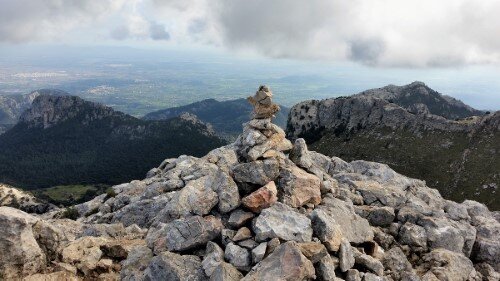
446,265
283,222
298,187
175,267
285,263
262,198
346,256
226,272
21,255
238,256
258,172
184,234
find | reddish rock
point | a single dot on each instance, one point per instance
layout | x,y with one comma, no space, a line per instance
262,198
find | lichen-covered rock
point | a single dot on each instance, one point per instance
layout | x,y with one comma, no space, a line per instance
283,222
285,263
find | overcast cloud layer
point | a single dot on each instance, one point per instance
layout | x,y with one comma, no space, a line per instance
409,33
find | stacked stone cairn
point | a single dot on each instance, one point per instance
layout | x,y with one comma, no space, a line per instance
258,209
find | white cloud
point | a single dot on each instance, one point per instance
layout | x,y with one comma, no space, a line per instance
407,33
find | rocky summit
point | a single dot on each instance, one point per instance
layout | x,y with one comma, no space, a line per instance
260,208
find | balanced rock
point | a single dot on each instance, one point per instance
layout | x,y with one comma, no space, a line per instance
263,104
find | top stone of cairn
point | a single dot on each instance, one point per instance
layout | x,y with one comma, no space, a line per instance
263,106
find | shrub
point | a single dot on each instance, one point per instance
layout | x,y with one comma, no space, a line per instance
71,213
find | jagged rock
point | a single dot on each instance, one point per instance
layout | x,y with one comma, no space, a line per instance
325,268
226,272
353,275
326,229
227,192
238,256
298,187
377,216
283,222
370,263
137,261
413,235
262,198
21,255
353,227
239,218
314,251
487,271
259,252
227,236
257,172
346,256
285,263
487,245
175,267
84,253
242,234
396,263
442,264
184,234
214,256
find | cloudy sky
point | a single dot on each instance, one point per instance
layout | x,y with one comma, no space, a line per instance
380,34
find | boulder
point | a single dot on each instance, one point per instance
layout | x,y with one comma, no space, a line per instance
286,263
21,254
283,222
298,188
353,227
258,172
175,267
226,272
262,198
184,234
238,256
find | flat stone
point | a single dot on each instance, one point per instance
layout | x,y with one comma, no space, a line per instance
283,222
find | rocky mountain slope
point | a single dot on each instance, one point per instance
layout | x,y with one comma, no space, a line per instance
418,97
225,116
459,158
16,198
12,106
66,140
258,209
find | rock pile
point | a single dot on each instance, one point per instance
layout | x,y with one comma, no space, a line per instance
259,209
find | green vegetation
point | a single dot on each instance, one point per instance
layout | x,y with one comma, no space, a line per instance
70,213
90,148
67,195
457,165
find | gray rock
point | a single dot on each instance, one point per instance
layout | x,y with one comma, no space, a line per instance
238,256
227,236
184,234
442,264
413,235
175,267
371,277
325,269
326,229
285,263
226,272
353,275
487,245
227,192
239,218
353,227
259,252
346,256
214,256
257,172
248,243
21,254
298,188
137,261
370,263
283,222
396,263
377,216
